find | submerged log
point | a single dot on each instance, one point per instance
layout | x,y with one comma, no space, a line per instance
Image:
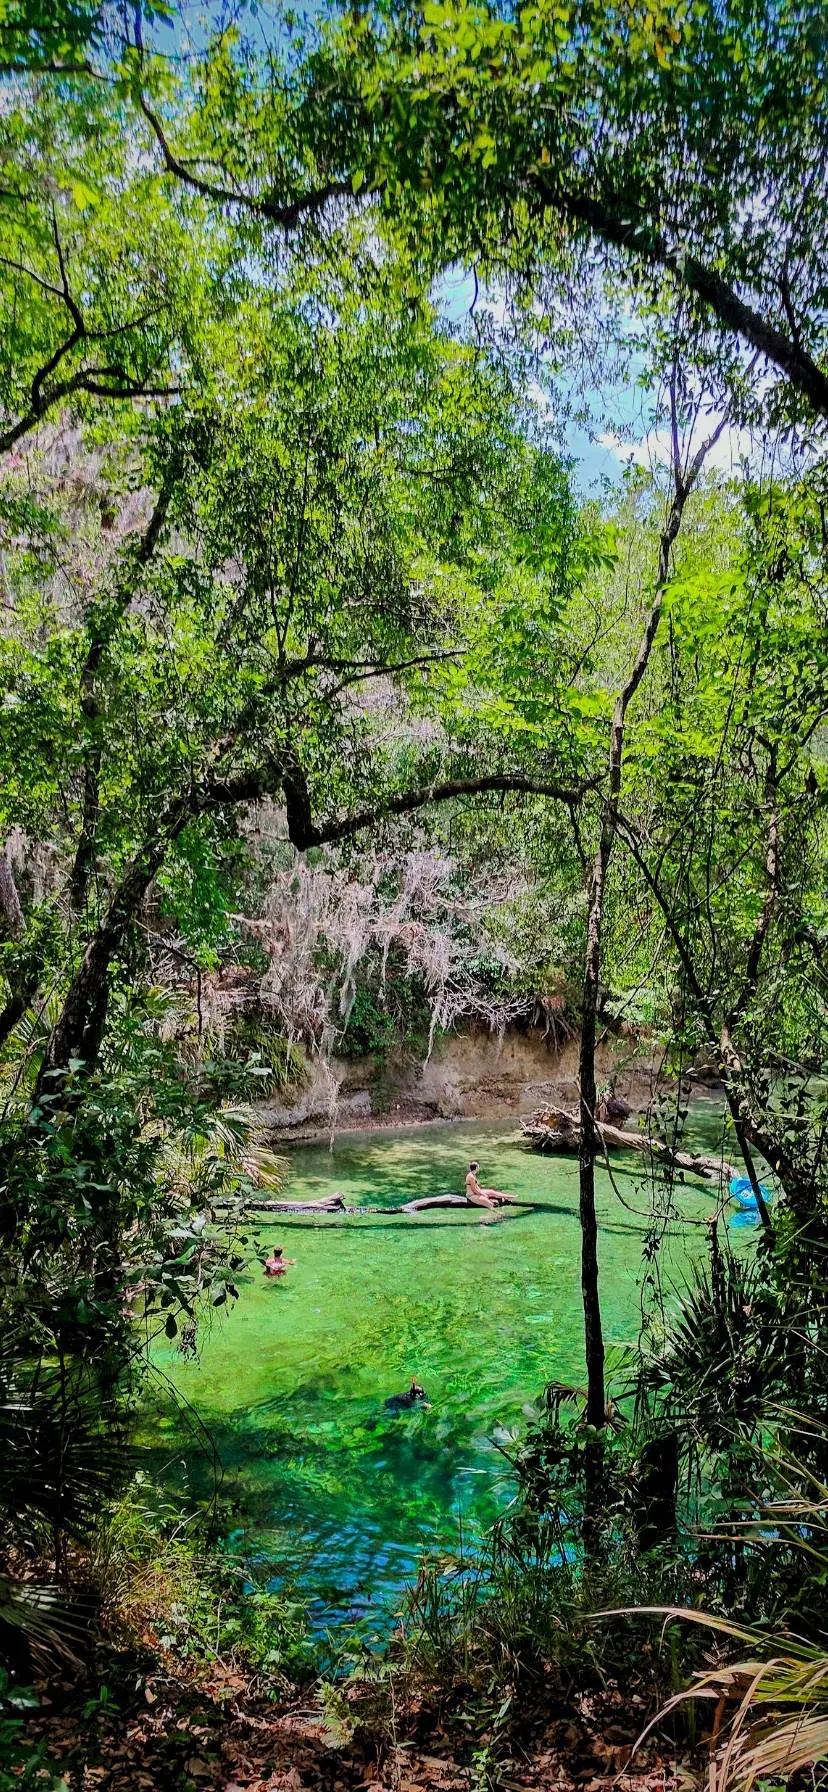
555,1129
267,1204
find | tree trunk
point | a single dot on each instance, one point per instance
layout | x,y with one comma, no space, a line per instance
593,1335
10,908
593,1332
78,1031
102,630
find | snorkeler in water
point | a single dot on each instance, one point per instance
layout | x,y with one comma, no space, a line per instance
414,1396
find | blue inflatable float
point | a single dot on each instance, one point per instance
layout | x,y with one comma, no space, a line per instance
742,1193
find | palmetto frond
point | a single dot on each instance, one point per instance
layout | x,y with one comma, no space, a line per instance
61,1455
51,1624
725,1349
780,1694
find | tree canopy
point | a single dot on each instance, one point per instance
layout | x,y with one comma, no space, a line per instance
303,604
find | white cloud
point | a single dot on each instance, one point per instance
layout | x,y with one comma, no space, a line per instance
733,448
732,452
541,399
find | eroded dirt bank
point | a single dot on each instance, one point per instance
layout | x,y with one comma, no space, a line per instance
475,1074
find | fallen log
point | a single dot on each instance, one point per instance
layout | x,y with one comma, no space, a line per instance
336,1204
555,1129
447,1201
267,1204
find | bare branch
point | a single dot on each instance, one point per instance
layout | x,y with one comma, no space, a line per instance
98,381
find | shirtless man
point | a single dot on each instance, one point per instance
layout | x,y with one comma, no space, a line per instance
482,1197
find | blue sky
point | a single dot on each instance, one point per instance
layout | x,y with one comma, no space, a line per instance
596,460
622,431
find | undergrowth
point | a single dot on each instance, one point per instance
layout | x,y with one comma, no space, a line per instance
168,1580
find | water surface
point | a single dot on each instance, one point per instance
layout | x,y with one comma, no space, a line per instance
292,1383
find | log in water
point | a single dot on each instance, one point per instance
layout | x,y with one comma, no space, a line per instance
337,1204
555,1129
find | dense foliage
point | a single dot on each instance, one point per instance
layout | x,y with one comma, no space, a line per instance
305,623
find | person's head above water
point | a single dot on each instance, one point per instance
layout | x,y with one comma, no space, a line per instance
474,1166
415,1392
278,1250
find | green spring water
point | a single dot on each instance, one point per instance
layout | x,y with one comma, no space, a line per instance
291,1384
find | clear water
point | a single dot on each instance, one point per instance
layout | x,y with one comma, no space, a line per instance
292,1383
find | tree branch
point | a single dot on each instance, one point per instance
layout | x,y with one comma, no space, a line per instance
286,216
304,832
641,240
79,1028
99,382
21,67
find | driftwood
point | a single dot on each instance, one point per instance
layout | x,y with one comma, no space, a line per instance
555,1129
336,1204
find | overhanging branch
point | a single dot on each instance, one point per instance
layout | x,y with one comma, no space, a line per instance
304,832
287,217
636,237
98,382
79,1028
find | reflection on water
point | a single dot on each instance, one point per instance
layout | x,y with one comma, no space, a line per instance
483,1311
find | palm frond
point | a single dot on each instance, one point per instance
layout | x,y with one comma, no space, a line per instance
53,1626
786,1680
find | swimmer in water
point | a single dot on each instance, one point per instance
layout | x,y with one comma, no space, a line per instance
414,1396
277,1264
482,1197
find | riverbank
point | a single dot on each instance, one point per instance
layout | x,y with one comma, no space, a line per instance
403,1114
138,1722
474,1074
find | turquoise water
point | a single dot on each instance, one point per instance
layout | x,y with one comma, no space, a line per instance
291,1384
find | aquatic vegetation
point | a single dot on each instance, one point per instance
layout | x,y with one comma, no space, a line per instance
293,1388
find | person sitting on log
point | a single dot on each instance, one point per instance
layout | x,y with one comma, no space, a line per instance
278,1264
482,1197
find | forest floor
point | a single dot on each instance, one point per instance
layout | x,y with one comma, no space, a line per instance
157,1729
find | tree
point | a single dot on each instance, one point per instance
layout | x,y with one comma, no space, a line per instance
736,874
680,145
686,468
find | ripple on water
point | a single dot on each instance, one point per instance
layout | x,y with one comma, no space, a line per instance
293,1383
